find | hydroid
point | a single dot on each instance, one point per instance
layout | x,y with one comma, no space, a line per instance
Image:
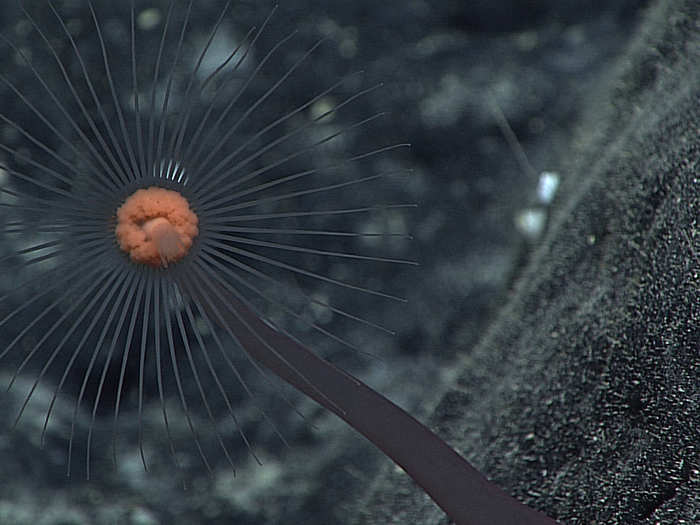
208,280
154,187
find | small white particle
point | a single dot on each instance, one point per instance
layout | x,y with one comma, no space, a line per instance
149,19
547,186
141,516
530,222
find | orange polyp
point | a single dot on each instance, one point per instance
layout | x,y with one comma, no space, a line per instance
156,226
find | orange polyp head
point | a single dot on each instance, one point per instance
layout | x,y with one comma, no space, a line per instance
156,226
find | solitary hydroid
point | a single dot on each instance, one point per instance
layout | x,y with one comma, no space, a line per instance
135,190
164,237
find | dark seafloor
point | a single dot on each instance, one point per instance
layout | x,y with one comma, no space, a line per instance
565,367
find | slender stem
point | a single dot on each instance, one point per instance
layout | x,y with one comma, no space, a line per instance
459,489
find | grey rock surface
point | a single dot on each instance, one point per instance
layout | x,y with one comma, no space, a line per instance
583,399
